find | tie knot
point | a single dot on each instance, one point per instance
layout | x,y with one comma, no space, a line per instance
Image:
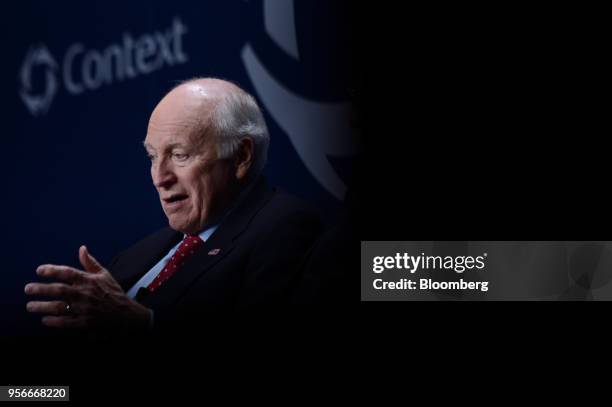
193,239
191,242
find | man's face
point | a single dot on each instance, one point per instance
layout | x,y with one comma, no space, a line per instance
194,186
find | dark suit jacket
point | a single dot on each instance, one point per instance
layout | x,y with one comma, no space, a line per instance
260,246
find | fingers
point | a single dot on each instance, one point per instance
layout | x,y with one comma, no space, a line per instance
62,273
57,315
60,290
66,321
88,261
47,307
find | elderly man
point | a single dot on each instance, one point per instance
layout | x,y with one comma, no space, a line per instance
232,240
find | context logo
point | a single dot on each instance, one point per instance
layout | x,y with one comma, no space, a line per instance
316,129
38,57
84,69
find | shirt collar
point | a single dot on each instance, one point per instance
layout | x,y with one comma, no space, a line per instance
206,233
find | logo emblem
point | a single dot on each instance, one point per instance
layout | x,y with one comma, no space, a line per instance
317,130
214,252
38,57
80,69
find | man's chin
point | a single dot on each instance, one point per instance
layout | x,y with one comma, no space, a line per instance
177,225
182,227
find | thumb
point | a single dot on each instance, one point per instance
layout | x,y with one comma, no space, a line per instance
88,261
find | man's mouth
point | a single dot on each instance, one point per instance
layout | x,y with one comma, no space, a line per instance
175,199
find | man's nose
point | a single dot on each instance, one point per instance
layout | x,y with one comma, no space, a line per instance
162,174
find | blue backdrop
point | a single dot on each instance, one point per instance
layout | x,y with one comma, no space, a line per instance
80,80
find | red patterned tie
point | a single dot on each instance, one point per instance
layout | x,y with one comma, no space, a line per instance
188,247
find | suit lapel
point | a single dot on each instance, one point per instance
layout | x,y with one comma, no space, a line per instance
147,256
220,244
200,262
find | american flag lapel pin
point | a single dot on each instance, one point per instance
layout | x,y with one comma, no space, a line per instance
214,252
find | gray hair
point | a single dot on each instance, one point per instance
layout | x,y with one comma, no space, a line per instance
237,116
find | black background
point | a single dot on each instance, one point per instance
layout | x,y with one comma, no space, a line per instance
490,126
485,123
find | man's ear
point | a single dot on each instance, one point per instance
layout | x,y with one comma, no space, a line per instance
244,157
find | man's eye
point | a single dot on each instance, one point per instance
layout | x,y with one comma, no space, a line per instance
151,157
180,156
